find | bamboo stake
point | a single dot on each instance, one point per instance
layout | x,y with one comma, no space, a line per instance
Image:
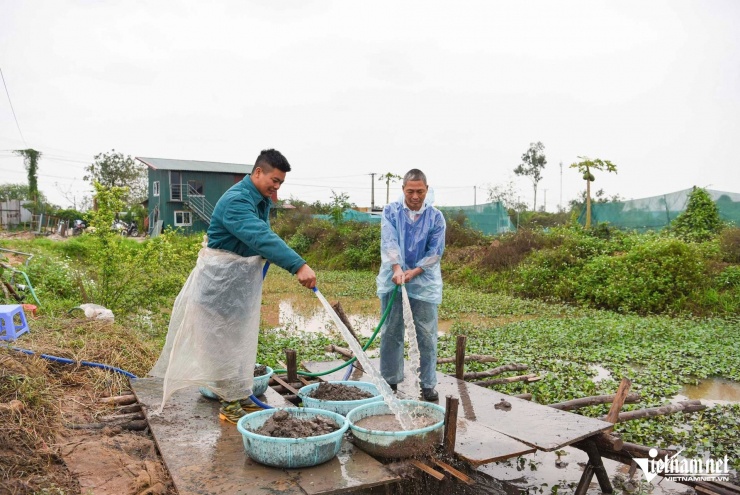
339,310
460,357
496,371
684,407
592,401
450,432
618,403
511,379
478,358
119,400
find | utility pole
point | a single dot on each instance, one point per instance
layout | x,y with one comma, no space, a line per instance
544,206
560,205
372,191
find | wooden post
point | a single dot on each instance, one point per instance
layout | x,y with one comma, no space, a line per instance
460,357
618,403
291,365
450,434
339,310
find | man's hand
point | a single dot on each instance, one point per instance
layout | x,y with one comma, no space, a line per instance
398,275
306,277
408,275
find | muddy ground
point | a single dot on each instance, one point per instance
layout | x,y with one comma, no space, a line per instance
55,442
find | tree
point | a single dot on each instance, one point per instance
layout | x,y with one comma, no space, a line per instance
389,177
339,203
507,195
700,221
585,166
14,191
114,169
533,161
31,162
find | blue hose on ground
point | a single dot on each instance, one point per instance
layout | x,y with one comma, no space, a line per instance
72,361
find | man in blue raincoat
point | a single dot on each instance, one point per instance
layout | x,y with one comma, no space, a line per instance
412,240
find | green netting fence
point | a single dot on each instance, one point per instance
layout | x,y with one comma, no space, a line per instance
489,218
658,212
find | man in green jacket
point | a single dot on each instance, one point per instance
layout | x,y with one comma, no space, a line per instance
214,326
240,222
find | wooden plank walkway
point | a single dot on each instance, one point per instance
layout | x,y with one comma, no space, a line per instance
206,455
535,425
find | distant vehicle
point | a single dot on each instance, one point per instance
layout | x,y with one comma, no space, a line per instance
78,227
125,229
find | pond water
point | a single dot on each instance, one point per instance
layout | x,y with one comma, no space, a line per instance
712,391
317,320
540,471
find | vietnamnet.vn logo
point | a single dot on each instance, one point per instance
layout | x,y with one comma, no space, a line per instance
684,469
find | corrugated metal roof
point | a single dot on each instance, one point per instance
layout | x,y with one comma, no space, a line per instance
196,165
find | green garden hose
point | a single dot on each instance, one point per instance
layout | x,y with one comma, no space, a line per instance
369,342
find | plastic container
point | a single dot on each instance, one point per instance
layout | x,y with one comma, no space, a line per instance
339,406
397,444
259,385
290,452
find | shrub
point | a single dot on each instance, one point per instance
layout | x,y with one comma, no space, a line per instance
510,249
729,242
700,221
654,277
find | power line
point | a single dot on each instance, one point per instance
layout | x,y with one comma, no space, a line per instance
11,107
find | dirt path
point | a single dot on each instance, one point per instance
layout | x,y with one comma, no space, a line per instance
39,454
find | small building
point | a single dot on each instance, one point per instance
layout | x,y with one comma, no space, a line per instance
182,193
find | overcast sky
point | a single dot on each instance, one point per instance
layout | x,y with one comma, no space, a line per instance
346,88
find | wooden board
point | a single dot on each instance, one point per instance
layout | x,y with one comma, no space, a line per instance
206,455
534,424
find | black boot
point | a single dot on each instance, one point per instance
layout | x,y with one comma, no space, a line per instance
394,387
429,394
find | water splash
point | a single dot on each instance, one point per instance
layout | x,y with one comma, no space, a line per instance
414,354
403,415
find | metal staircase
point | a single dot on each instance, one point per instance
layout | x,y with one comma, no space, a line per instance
198,204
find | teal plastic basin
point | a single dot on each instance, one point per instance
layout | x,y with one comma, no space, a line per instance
397,444
339,406
259,385
290,452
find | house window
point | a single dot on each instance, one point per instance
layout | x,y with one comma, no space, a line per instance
175,185
183,219
155,188
195,188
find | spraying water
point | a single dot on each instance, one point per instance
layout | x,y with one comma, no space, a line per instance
414,354
404,417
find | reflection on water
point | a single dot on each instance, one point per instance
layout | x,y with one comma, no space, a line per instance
601,373
318,321
716,390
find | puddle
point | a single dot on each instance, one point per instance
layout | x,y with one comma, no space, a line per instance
540,468
601,373
711,391
318,321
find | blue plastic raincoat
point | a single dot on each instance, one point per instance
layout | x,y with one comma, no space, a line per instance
412,244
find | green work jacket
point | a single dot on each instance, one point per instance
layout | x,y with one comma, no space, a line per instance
240,223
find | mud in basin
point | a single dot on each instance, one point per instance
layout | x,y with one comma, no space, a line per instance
338,391
340,396
377,431
292,437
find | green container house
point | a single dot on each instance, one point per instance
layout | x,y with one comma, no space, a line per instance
182,193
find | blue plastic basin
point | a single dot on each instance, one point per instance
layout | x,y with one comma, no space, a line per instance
339,406
290,452
259,385
397,444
